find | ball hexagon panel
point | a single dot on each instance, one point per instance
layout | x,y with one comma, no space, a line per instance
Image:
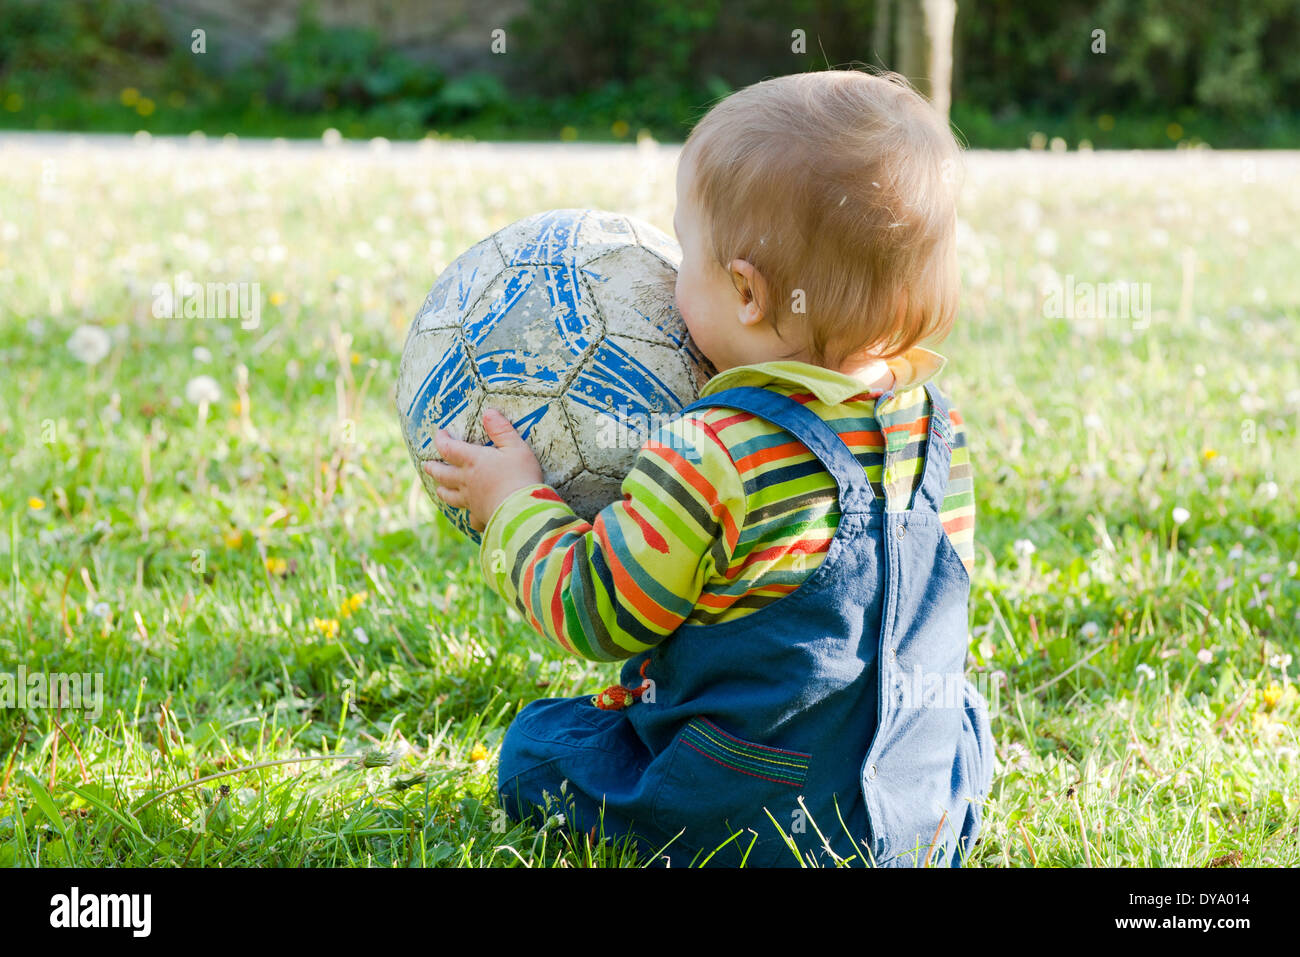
458,290
531,327
635,289
659,243
435,387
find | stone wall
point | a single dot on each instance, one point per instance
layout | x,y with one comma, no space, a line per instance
454,34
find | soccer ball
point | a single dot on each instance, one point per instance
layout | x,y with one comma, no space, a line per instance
566,322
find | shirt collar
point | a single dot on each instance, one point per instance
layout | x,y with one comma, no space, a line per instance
912,369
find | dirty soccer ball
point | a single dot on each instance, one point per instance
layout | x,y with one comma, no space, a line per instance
566,322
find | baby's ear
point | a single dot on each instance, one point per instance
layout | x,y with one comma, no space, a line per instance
751,288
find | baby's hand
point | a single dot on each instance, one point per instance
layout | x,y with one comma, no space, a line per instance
479,477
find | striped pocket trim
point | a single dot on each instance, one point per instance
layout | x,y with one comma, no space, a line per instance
771,764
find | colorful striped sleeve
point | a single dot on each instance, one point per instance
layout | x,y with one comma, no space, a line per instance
958,511
609,589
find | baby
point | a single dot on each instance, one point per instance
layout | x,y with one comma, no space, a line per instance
787,573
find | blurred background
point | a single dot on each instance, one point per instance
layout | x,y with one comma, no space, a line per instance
1114,73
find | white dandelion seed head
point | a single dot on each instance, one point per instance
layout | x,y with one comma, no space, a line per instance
89,344
1205,656
202,389
1023,548
1181,515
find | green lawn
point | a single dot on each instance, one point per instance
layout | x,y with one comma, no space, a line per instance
259,577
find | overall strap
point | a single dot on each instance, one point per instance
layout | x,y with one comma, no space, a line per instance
938,453
823,441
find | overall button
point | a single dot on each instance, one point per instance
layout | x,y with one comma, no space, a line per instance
902,529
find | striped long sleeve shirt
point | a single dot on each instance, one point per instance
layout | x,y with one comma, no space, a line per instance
720,517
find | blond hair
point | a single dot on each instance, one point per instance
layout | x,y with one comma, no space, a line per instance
840,188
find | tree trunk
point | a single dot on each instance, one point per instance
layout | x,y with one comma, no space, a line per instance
924,47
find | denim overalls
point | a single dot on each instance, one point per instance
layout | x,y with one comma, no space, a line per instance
840,710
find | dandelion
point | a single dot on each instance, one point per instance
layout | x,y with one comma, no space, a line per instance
1023,548
479,753
202,389
360,635
329,627
1205,656
233,538
277,566
1090,630
1181,515
101,609
352,603
1017,753
201,354
1272,695
1236,552
89,344
36,504
277,299
1144,670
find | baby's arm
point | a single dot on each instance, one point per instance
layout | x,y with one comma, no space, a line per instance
610,589
958,511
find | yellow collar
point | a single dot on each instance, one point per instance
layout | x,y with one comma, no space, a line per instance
912,369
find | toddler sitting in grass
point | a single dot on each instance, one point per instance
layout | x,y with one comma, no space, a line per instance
787,573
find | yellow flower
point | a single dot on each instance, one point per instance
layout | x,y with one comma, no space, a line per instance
130,96
352,603
356,358
1272,695
479,753
329,627
277,298
277,566
233,537
35,504
1209,454
569,133
145,106
620,128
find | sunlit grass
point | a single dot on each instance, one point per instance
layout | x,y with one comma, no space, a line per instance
250,563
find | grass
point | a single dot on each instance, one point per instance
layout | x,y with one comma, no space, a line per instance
260,580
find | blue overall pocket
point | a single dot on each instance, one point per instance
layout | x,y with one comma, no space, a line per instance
716,785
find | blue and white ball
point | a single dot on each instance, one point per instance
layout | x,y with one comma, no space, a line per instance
565,321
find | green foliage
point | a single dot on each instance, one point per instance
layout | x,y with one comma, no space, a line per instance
1226,59
1223,72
